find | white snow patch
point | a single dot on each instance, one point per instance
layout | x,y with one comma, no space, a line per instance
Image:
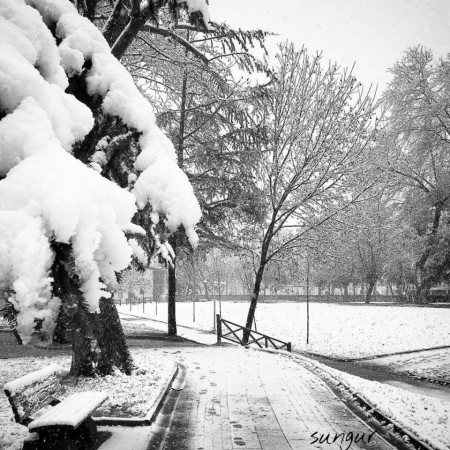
336,330
138,251
172,197
71,204
134,229
99,157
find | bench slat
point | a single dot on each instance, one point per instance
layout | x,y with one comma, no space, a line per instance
71,411
33,392
21,383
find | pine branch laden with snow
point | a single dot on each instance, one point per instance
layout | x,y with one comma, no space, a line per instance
46,194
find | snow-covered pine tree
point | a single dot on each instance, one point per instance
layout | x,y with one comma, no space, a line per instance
82,165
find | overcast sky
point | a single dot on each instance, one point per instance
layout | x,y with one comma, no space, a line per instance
372,33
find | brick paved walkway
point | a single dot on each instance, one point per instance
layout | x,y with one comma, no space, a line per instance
236,398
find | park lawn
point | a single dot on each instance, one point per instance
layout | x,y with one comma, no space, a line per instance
128,396
336,330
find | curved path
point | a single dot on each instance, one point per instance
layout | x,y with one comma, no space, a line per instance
237,398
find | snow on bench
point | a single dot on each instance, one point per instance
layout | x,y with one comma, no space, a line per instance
34,399
71,412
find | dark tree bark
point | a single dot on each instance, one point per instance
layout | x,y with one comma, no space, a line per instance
370,290
61,333
171,300
173,240
346,291
253,302
116,22
128,35
85,349
425,279
112,341
98,341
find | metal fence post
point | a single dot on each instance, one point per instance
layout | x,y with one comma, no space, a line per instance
219,329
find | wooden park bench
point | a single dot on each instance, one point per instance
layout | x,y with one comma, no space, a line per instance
53,424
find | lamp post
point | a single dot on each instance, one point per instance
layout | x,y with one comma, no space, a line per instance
214,306
193,306
220,283
307,299
205,283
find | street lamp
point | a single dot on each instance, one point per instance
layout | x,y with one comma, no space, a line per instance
307,299
220,283
205,282
214,307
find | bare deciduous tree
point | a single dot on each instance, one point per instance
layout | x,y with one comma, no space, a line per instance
317,128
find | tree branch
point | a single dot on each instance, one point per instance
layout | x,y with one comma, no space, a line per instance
162,31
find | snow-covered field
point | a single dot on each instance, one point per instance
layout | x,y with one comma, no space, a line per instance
127,396
345,331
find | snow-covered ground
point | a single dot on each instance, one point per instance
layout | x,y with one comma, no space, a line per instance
432,364
425,416
428,418
343,331
127,396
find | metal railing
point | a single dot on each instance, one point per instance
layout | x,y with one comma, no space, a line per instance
230,331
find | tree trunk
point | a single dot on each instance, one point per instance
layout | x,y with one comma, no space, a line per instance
390,291
424,280
128,34
346,295
61,334
112,341
205,285
370,290
98,341
171,300
85,349
422,293
116,22
253,302
171,303
17,337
